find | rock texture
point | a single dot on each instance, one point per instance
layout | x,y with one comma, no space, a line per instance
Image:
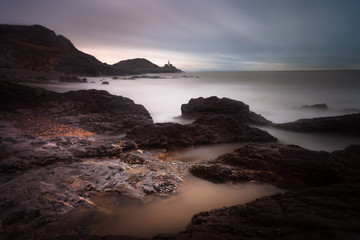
214,106
283,165
204,130
93,110
44,178
329,213
346,124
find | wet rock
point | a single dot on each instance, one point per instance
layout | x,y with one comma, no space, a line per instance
282,165
319,106
204,130
214,106
319,213
105,83
346,124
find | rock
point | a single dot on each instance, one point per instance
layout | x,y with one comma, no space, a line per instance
319,213
205,130
214,106
72,79
93,110
320,106
105,83
283,165
346,124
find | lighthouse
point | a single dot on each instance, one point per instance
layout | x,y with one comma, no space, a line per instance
168,64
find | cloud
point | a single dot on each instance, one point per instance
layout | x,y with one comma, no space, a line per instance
226,34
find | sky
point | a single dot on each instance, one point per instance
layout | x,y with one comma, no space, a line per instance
204,35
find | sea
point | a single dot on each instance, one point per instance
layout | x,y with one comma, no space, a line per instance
279,96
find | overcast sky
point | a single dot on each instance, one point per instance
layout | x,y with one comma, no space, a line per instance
204,34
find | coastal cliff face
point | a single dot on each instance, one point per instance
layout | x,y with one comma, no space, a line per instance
38,49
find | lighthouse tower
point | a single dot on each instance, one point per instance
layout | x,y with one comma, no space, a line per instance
168,64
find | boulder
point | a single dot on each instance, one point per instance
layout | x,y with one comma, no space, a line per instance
214,106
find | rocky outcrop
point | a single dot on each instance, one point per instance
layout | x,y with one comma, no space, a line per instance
204,130
36,48
283,165
319,213
214,106
346,124
93,110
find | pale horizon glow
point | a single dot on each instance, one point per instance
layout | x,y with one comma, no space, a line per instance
204,35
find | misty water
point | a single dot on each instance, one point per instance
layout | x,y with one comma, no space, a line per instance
278,96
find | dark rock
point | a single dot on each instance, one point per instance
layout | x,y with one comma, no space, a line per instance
346,124
105,83
205,130
320,106
282,165
320,213
72,79
93,110
214,106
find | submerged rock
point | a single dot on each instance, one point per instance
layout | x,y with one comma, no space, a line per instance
346,124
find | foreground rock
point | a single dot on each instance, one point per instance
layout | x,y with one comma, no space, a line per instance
214,106
93,110
44,178
329,213
346,124
283,165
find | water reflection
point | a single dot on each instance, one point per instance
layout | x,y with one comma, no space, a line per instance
172,214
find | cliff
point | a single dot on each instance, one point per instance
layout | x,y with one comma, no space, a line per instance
38,49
